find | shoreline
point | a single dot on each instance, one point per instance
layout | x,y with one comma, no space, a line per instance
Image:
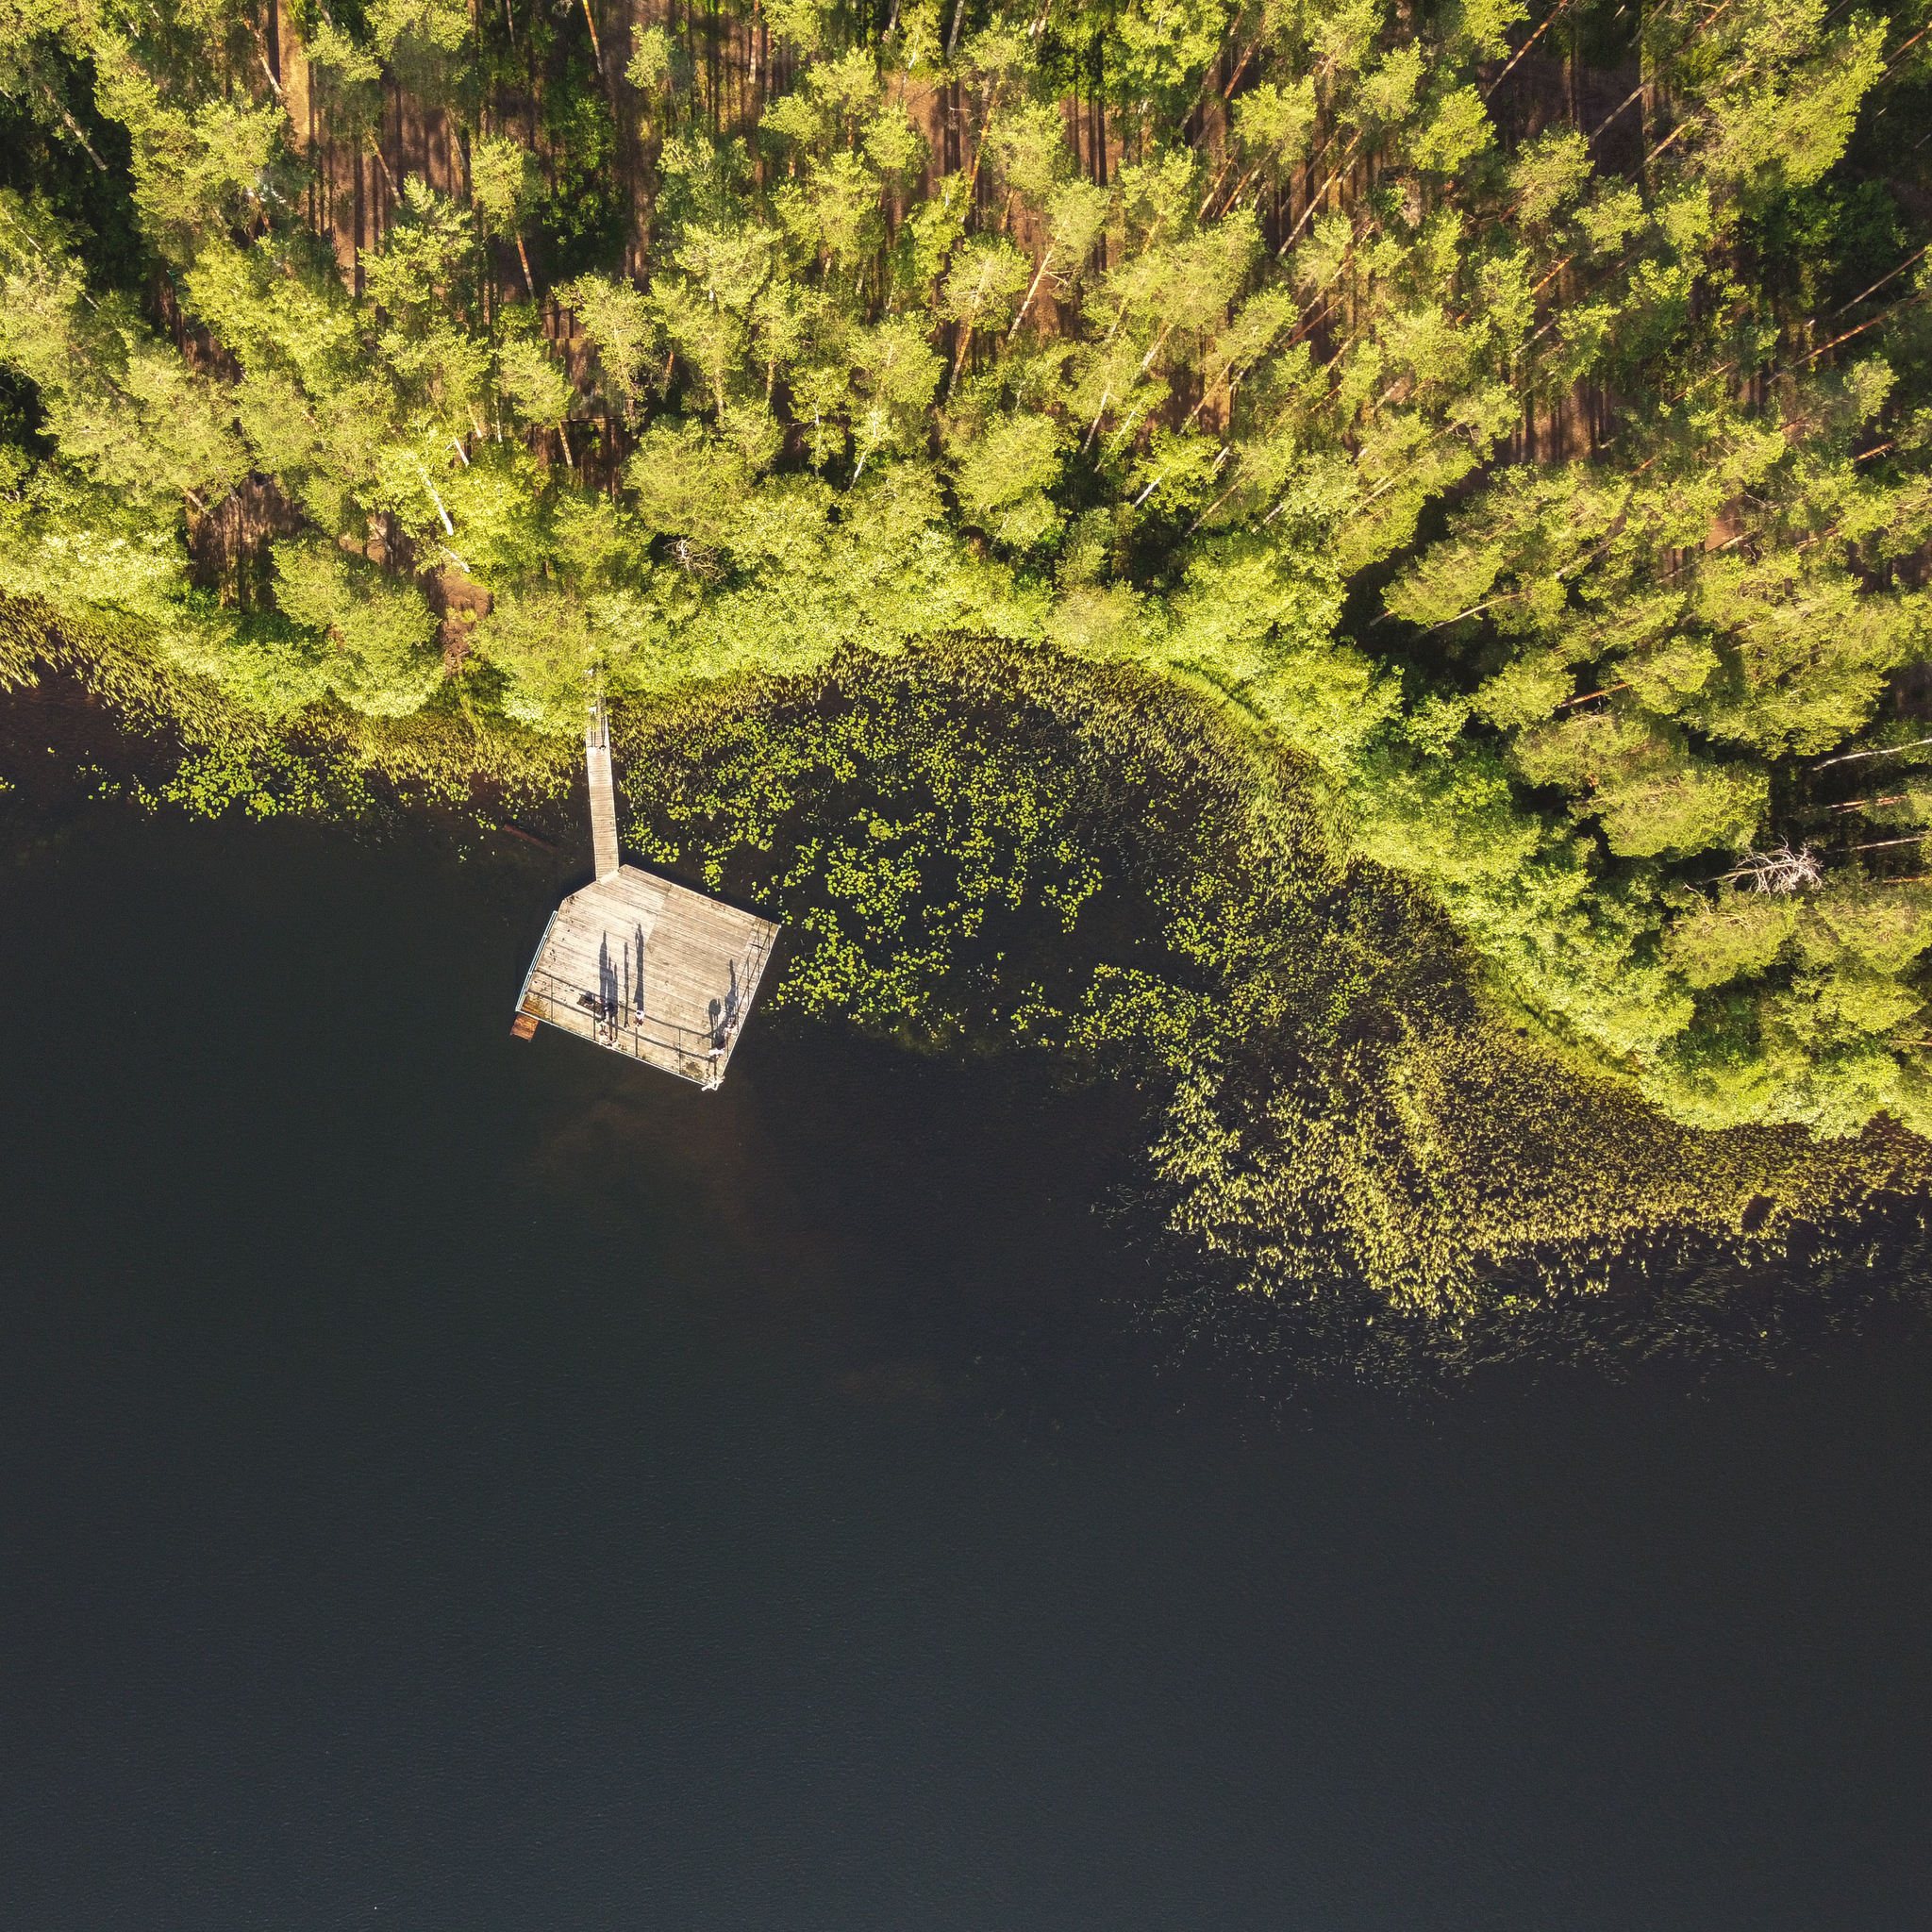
1516,1304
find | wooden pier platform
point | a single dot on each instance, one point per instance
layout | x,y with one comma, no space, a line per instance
641,965
649,969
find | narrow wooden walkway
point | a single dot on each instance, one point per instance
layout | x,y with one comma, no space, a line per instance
603,793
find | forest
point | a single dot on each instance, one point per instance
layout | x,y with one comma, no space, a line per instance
1497,437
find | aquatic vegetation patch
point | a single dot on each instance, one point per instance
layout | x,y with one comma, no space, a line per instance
212,753
1008,849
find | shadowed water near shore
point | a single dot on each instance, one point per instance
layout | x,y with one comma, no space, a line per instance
453,1483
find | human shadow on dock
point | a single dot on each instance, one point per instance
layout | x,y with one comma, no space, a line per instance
607,975
724,1013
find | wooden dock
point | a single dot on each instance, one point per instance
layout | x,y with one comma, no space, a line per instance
641,965
649,969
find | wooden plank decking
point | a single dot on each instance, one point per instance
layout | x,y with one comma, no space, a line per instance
649,969
603,794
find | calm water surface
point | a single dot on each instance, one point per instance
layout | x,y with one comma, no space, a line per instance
447,1483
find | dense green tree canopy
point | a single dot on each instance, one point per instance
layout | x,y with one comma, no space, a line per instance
1519,413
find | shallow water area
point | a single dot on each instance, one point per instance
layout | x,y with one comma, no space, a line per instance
448,1482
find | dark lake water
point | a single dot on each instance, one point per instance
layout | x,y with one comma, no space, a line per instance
447,1482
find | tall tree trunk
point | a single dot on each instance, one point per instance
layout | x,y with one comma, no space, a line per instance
1100,111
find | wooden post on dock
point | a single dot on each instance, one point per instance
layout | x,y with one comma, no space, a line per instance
602,797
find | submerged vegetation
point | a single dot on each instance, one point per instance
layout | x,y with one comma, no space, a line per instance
1364,561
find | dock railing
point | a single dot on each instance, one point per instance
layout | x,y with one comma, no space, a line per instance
623,1028
751,970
